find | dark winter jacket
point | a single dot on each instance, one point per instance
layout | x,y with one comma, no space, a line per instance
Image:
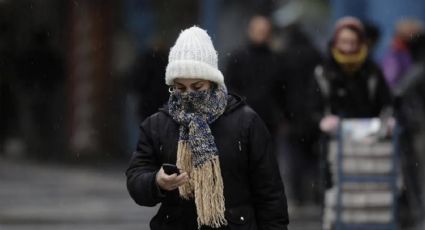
299,59
253,190
364,94
253,72
410,99
146,82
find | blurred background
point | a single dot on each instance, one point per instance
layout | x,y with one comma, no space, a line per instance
78,76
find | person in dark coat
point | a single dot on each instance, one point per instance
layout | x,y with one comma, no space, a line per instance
299,134
228,176
145,80
253,72
348,85
351,84
410,112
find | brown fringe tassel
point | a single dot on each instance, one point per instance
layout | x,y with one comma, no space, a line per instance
206,185
184,162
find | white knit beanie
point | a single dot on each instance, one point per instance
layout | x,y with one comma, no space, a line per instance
193,57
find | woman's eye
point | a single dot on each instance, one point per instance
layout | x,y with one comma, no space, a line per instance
198,86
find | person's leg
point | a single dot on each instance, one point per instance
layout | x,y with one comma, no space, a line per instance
419,148
410,200
285,156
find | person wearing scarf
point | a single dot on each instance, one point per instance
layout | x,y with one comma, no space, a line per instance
352,85
197,152
348,46
228,172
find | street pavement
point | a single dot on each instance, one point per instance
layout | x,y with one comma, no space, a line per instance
41,196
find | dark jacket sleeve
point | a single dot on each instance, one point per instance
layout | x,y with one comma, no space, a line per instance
383,92
141,174
267,187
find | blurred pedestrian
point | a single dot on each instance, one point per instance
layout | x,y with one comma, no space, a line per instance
410,110
227,172
145,93
351,84
145,80
398,58
252,72
298,131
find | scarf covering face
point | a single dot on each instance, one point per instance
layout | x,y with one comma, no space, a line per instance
197,153
350,63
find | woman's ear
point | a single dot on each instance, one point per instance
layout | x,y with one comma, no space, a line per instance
171,89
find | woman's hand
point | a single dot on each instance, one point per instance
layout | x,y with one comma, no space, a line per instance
329,124
171,182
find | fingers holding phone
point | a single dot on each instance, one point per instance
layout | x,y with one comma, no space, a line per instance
170,169
172,181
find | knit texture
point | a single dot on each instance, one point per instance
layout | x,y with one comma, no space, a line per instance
197,153
193,57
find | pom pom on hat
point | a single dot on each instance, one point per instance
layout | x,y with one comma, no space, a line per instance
193,56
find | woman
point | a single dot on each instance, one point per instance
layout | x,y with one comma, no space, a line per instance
228,173
352,85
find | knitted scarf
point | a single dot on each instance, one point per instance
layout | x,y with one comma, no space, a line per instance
197,153
350,63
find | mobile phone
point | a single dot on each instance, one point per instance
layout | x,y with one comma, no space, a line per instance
170,169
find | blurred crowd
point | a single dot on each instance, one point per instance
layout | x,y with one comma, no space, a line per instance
300,92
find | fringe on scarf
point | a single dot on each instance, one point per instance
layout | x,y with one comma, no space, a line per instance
205,185
184,162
